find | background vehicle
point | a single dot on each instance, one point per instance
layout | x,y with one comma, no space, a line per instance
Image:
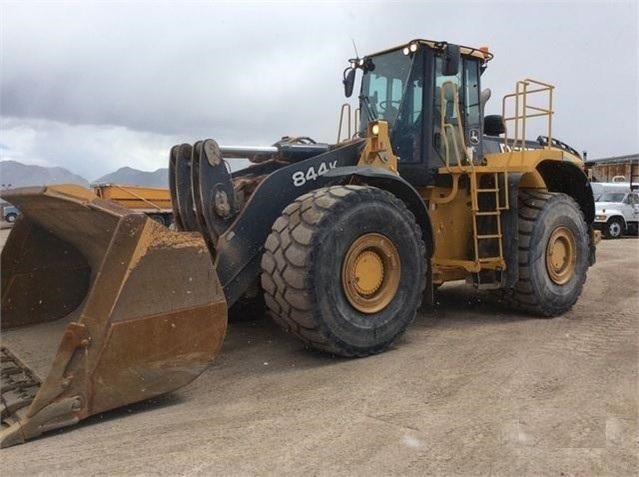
617,213
344,240
9,213
599,188
153,201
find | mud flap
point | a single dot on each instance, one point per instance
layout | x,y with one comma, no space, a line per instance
101,307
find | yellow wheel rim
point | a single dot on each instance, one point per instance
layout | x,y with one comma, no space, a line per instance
371,273
561,256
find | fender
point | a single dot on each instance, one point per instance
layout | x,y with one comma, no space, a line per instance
568,178
403,190
397,186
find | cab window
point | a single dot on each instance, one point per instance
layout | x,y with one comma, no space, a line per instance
464,123
611,197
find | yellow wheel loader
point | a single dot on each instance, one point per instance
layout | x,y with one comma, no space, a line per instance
102,307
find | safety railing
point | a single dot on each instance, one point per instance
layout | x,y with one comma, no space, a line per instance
518,109
352,119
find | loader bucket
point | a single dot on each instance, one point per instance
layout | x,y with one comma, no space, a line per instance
101,307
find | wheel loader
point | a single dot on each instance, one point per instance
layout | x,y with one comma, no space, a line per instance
102,307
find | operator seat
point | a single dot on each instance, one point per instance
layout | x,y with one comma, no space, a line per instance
484,96
453,138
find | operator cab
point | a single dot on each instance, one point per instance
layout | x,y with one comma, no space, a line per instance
430,95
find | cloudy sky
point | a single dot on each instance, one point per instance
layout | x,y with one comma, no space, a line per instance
94,86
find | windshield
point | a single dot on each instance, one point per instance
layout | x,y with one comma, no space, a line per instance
392,90
383,87
611,197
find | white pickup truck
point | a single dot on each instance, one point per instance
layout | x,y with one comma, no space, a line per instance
9,212
617,213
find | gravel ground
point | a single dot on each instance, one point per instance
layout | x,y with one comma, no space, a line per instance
471,389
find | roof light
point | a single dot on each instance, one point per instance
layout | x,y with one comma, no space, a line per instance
413,47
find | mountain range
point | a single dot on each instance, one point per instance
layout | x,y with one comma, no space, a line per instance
130,176
15,174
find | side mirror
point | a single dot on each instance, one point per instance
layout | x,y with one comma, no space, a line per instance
349,81
452,58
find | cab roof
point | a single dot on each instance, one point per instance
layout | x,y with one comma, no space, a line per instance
481,53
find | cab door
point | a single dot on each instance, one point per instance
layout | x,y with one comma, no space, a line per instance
631,207
457,126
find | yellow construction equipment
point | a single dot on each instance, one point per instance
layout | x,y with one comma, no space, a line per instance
153,201
102,307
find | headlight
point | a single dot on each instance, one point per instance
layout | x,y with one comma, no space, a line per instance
412,48
375,129
600,217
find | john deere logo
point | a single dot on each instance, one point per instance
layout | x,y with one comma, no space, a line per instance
473,136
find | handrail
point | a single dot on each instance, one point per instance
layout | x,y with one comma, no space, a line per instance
523,111
351,115
345,107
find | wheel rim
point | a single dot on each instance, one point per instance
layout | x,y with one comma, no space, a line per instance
371,273
615,229
561,255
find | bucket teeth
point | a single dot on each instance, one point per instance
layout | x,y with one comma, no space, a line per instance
18,383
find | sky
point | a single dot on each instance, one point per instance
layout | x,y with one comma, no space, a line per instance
95,86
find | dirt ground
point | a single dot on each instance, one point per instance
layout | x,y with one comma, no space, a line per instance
471,389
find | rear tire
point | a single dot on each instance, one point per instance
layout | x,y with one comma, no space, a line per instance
11,217
553,253
344,269
158,218
613,228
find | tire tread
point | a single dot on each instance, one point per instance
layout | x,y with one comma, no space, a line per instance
286,266
522,296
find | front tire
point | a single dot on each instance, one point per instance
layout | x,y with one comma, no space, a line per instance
613,228
553,253
344,269
11,217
